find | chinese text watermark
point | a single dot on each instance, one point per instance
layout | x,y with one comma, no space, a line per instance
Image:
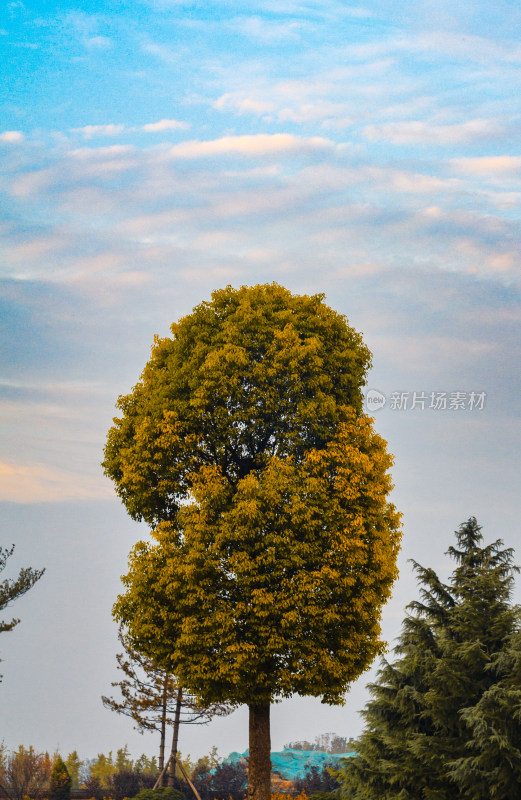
420,400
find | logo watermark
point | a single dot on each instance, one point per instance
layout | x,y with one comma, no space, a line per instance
431,401
374,400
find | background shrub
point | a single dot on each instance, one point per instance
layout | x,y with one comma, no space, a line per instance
317,781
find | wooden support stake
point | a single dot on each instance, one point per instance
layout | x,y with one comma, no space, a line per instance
156,784
187,779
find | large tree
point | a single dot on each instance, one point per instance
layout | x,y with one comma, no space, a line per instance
444,718
245,445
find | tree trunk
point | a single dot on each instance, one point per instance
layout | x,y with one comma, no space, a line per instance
259,764
175,738
163,729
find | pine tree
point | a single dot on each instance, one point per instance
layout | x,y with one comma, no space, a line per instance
493,767
153,699
12,589
60,785
457,656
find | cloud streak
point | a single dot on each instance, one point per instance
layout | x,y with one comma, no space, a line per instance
499,167
92,131
431,133
40,483
165,125
258,145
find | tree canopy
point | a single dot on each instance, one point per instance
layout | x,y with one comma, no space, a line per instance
444,720
255,373
245,445
294,563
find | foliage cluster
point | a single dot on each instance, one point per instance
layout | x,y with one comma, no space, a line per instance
24,772
222,782
120,776
161,793
317,780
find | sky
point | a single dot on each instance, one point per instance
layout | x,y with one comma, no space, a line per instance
156,150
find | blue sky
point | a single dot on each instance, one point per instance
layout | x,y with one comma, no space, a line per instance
151,152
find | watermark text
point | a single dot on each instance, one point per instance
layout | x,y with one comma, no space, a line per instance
426,401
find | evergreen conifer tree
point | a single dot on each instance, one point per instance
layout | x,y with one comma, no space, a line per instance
492,768
444,718
60,785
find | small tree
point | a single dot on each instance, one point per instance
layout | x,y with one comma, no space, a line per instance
74,765
24,773
153,699
246,446
60,784
102,769
12,589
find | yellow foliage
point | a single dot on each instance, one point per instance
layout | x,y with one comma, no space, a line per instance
245,445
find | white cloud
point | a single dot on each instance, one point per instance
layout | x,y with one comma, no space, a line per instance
165,125
12,137
420,132
15,6
427,350
460,47
165,54
30,183
480,49
98,42
415,183
244,105
105,159
91,131
489,166
268,31
256,145
333,96
481,257
314,111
